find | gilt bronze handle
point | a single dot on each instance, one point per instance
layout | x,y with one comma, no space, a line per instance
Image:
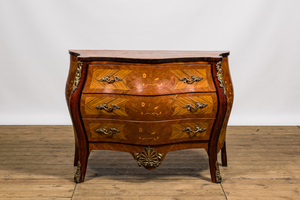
197,106
188,81
106,108
107,79
105,131
198,129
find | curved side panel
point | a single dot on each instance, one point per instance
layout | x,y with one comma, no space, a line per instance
222,107
68,91
70,80
229,91
81,139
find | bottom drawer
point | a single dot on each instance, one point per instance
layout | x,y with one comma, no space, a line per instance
148,133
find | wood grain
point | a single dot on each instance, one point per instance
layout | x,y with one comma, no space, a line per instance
149,108
230,95
70,79
98,73
148,56
138,79
165,120
138,148
147,133
81,142
214,138
262,189
188,73
38,165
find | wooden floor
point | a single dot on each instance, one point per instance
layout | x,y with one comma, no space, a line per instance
36,163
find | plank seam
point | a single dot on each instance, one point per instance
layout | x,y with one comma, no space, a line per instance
74,191
265,179
223,191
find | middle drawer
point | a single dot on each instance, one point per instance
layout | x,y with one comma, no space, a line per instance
149,108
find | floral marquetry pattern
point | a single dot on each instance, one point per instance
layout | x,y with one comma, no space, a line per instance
148,157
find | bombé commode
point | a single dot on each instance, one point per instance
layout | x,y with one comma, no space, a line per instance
149,103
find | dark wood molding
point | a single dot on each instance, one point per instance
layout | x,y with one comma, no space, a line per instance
150,57
82,142
222,108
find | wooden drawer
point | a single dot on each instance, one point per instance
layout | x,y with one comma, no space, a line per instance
146,79
149,108
148,133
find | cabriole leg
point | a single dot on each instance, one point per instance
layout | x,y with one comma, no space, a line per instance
76,156
214,168
224,155
81,166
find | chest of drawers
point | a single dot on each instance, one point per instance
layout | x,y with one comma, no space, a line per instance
149,103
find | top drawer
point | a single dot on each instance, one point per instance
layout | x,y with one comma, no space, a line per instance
154,79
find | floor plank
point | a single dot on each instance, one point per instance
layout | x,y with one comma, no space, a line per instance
36,162
262,189
163,189
53,189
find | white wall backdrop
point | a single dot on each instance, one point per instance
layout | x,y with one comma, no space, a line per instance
262,35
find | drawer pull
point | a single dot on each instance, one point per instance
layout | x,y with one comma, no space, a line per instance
197,129
107,79
106,108
105,131
197,106
188,81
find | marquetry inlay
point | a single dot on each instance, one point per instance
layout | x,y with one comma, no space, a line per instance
178,133
117,135
92,102
149,103
118,85
182,101
179,74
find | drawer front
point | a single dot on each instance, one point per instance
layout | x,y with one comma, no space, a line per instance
149,108
148,133
149,79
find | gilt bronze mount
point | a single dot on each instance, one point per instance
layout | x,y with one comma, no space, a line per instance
148,158
198,129
108,80
77,173
106,132
218,174
220,76
194,79
77,76
106,108
197,106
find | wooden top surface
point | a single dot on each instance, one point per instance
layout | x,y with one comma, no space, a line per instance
146,55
